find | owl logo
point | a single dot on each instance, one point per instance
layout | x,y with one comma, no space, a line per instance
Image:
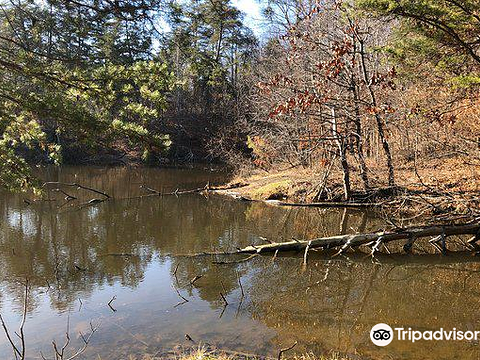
381,334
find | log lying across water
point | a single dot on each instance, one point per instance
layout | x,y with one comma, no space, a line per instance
438,233
326,204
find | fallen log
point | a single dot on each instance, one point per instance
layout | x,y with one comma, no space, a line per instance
374,239
325,204
207,188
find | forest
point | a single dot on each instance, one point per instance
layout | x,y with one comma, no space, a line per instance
180,172
361,94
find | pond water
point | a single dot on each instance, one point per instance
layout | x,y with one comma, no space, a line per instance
72,258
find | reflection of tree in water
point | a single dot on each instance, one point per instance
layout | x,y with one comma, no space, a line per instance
259,220
334,304
331,304
70,251
75,250
215,279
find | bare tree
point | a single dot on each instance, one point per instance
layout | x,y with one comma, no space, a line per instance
324,61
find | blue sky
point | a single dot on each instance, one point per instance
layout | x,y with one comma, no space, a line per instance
253,17
253,14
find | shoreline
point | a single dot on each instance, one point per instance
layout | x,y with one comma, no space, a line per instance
432,191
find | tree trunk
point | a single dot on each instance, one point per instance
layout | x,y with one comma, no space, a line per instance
359,138
378,118
343,156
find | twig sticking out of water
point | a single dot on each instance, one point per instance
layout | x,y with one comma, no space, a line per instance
242,294
60,354
225,302
275,256
18,350
223,311
185,300
175,273
376,246
240,283
195,279
110,303
305,255
280,353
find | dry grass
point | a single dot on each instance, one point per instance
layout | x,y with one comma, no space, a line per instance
449,174
441,188
203,353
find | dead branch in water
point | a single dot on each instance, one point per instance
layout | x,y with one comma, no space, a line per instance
207,188
78,186
326,204
61,355
364,239
374,240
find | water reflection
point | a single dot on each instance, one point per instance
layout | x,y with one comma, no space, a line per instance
78,259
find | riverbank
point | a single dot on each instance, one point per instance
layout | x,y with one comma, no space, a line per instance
440,186
203,354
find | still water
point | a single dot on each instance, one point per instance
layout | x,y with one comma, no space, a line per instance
78,259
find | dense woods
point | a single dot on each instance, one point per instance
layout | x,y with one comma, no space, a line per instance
352,90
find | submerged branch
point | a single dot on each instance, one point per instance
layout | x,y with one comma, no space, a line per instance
78,186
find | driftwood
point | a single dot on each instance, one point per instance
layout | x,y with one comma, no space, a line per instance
374,240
